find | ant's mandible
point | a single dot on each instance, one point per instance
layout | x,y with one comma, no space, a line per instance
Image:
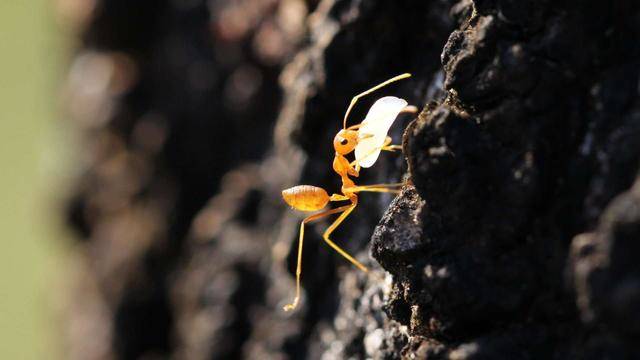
366,140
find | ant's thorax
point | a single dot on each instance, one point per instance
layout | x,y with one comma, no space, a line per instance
344,169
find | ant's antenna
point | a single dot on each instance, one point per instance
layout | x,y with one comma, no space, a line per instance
357,97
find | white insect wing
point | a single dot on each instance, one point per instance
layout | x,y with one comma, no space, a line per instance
375,127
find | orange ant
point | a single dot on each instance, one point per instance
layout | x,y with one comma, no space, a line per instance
367,139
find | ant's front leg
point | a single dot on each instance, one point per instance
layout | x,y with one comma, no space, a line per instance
409,109
387,147
341,165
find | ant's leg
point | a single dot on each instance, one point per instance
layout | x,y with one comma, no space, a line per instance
335,247
300,241
381,190
392,148
357,97
390,185
409,109
338,197
387,147
385,188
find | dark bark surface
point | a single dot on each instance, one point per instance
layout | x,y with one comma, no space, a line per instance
516,236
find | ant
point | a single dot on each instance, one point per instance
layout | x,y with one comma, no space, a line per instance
366,139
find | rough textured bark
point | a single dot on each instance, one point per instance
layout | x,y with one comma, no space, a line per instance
516,236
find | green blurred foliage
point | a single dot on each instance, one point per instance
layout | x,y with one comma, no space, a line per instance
31,260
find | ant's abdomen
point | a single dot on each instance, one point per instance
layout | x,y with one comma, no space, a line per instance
306,197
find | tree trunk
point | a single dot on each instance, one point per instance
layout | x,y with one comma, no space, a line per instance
515,236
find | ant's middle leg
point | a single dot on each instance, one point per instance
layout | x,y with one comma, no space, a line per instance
385,188
335,247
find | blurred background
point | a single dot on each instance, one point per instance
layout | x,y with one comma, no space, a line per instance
119,123
35,148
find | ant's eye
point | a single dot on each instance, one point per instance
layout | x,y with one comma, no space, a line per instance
344,141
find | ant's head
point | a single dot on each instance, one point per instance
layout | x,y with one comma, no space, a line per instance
345,141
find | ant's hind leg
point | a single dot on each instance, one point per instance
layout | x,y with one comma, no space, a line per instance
335,247
294,304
